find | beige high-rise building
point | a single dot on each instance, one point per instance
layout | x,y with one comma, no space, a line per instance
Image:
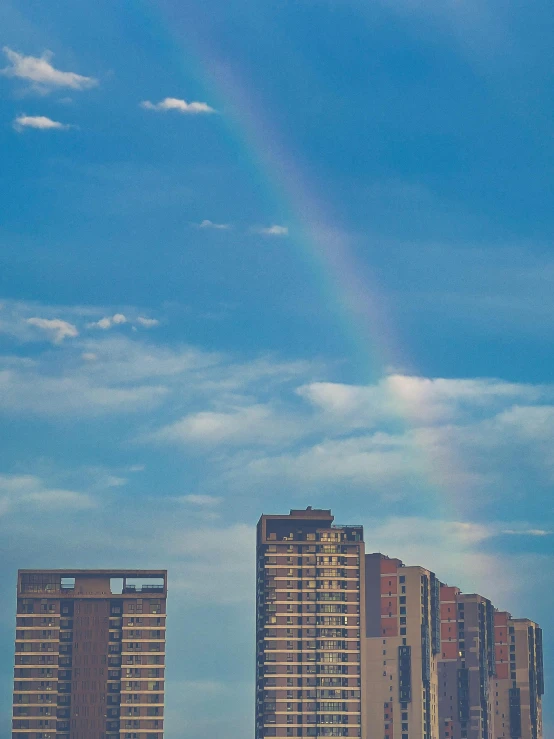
519,682
309,621
90,654
400,650
356,645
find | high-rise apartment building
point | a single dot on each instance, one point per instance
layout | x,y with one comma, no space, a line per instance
466,666
90,654
350,644
400,650
519,680
309,618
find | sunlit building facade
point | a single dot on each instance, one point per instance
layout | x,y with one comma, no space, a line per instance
519,679
400,650
90,654
354,644
466,667
310,616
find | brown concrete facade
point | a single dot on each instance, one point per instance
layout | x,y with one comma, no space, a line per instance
90,654
400,650
466,667
310,617
519,679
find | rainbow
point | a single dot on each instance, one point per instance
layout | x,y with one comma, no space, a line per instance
347,288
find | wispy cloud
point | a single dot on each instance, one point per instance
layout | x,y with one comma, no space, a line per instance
248,425
28,490
108,322
273,231
216,226
39,122
203,501
148,322
181,106
56,329
42,74
526,532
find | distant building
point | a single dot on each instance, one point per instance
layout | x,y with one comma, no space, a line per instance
400,650
309,621
466,666
519,680
90,654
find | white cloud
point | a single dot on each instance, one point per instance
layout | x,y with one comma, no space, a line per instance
181,106
148,322
89,356
17,491
248,425
379,461
526,532
40,72
56,329
424,401
108,322
273,231
114,481
208,501
216,226
33,391
40,122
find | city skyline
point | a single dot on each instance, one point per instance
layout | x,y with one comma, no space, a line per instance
262,250
455,666
351,643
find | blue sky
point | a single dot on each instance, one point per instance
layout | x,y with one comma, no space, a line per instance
263,255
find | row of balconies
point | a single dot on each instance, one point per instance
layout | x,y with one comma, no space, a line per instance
40,724
313,682
321,573
314,718
307,731
271,647
41,711
326,631
142,724
151,712
285,693
34,686
116,699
